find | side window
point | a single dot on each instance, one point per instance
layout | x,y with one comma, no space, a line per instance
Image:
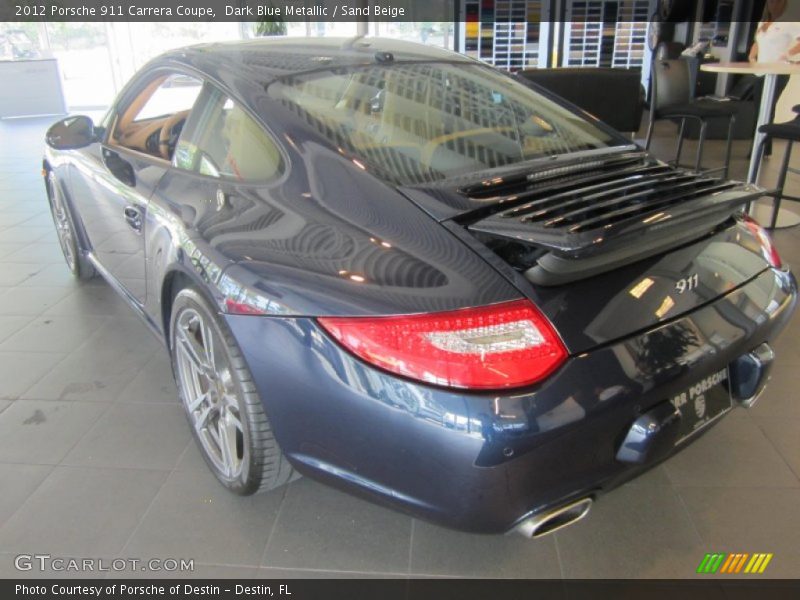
222,140
152,122
176,94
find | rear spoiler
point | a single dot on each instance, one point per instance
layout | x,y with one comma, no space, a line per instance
590,224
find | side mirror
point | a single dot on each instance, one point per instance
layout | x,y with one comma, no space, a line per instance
72,133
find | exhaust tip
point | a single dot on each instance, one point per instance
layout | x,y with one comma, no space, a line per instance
749,374
551,521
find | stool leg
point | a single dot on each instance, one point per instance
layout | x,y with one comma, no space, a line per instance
776,207
731,123
759,156
698,160
649,137
680,142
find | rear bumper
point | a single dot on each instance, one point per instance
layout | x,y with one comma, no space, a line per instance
482,462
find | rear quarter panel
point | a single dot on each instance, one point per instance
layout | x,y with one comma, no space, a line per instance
326,238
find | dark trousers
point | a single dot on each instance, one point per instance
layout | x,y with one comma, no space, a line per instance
780,85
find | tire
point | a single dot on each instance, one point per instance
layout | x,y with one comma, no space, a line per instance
74,256
218,395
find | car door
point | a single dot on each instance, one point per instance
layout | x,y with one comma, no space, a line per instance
114,179
225,167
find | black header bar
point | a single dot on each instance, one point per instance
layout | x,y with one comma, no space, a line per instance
392,11
228,10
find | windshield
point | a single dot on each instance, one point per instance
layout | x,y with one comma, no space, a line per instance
420,122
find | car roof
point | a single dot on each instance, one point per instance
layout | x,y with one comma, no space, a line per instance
267,59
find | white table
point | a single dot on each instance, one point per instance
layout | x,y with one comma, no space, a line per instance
770,71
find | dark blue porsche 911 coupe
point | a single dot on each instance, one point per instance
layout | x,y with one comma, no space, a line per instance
404,273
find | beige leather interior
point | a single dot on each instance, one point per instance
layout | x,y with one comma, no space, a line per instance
167,125
251,155
129,133
136,134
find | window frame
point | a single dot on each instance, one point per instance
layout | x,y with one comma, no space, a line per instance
265,130
123,103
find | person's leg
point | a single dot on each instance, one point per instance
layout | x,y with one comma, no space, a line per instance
788,100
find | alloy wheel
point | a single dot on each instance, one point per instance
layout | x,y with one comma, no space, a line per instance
66,236
209,393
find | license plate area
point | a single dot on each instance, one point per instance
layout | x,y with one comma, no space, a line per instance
702,403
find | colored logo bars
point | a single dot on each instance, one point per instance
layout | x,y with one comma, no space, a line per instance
734,563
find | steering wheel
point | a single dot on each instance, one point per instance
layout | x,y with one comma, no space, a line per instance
168,137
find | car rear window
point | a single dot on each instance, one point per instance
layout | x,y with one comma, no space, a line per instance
421,122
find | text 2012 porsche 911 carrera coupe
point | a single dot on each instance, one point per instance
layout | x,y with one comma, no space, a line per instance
416,278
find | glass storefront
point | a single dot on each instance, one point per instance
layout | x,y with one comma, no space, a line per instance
96,59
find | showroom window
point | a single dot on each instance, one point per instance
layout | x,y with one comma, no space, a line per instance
222,140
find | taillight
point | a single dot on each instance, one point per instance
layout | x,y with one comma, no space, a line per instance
498,346
768,248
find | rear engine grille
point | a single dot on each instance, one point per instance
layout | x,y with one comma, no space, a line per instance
559,226
547,178
602,200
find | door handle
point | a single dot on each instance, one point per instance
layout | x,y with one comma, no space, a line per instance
133,217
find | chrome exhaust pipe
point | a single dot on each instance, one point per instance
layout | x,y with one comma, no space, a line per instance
550,521
749,375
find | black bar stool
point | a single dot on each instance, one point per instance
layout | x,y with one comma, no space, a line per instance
790,132
671,98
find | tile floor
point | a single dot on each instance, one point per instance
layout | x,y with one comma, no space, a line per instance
96,458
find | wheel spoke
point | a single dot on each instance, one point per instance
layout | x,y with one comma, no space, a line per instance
195,403
194,351
208,347
233,418
213,433
195,371
63,229
201,421
229,399
65,239
227,435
